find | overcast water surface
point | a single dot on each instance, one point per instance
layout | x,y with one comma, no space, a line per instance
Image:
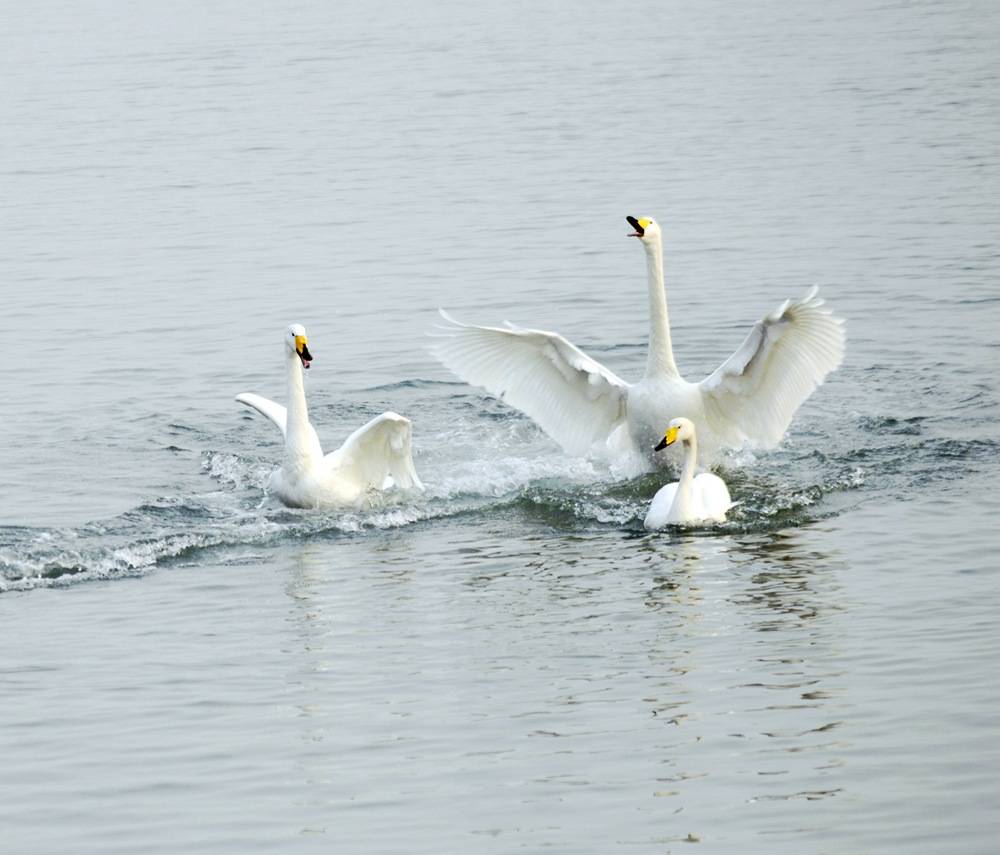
509,662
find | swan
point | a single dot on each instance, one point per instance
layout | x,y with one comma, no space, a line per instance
375,457
694,498
588,409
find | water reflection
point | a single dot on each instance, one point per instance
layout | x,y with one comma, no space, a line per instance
308,573
717,654
790,580
743,670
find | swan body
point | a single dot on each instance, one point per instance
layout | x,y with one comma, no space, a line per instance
376,457
588,409
694,498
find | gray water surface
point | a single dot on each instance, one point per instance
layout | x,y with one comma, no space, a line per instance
509,662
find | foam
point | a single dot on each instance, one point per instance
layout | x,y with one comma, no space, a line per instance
478,475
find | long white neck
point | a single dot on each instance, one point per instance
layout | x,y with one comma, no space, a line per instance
660,361
682,508
299,436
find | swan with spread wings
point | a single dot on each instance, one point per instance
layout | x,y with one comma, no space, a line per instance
588,409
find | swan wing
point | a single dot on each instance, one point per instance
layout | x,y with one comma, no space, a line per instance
375,452
574,399
275,412
754,394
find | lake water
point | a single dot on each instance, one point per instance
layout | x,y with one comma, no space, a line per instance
509,663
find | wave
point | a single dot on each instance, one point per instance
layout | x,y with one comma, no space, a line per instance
171,528
473,472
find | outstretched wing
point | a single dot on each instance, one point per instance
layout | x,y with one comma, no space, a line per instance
574,399
275,412
784,358
377,452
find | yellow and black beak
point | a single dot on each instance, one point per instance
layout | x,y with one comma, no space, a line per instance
302,349
669,439
640,226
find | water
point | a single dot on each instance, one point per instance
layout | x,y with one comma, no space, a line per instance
509,662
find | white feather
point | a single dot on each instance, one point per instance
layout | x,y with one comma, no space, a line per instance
279,415
574,399
694,498
375,457
585,407
787,354
274,411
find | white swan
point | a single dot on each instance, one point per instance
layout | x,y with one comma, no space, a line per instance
374,457
694,498
586,408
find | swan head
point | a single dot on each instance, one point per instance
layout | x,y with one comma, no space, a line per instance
298,344
678,429
646,229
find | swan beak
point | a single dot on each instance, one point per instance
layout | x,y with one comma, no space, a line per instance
302,349
635,224
669,439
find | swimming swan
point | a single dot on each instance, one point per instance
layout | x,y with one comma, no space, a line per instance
374,457
693,499
587,408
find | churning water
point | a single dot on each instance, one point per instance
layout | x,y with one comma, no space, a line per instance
508,662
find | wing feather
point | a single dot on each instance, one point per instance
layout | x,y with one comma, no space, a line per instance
785,357
275,412
573,398
377,452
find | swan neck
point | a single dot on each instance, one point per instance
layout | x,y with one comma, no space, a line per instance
690,461
660,361
297,426
682,509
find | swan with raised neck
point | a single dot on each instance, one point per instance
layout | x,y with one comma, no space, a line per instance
302,448
589,410
373,459
660,359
